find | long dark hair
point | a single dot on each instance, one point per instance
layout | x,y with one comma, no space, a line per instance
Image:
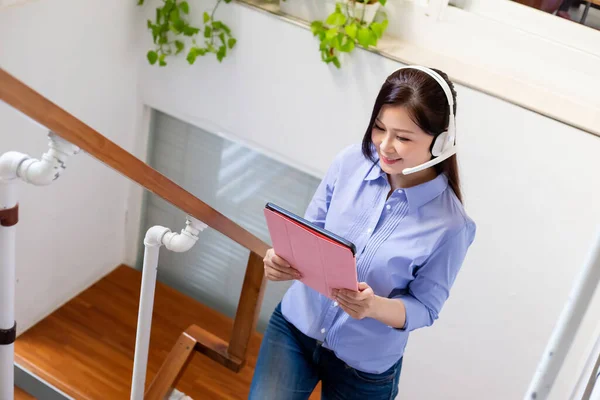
427,105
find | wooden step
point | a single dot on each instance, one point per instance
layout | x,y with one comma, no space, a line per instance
86,347
20,394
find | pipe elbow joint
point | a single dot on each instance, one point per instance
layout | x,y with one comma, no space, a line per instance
187,238
179,242
10,163
154,236
39,173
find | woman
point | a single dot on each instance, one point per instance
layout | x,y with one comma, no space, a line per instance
397,198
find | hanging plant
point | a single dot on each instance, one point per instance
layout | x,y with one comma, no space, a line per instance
171,27
351,23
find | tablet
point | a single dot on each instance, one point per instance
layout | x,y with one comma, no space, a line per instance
325,260
316,229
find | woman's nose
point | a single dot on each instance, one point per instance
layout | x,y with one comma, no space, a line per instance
385,144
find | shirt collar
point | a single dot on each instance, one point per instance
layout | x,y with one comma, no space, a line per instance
422,194
416,196
374,172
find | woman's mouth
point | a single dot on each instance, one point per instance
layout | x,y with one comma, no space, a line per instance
389,161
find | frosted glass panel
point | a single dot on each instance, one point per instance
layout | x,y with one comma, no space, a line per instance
237,182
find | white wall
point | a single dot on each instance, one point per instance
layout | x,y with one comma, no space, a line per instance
70,233
528,182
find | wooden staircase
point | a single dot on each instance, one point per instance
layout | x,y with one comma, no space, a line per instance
86,347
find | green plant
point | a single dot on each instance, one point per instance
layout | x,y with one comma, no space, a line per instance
171,27
343,29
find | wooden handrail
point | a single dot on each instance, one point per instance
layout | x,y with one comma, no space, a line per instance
232,354
48,114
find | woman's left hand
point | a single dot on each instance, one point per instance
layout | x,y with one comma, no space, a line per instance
359,304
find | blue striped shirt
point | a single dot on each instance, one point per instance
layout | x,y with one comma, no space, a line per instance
409,246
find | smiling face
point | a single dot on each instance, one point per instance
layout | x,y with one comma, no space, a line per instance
400,144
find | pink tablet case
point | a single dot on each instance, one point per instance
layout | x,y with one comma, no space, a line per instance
323,263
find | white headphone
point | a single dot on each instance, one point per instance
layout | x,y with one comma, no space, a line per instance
444,145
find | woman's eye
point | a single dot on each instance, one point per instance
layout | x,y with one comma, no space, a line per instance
402,139
378,127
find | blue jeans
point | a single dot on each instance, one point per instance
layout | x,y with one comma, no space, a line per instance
290,364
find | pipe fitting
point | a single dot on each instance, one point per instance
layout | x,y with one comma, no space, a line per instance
52,164
38,172
10,163
187,238
154,236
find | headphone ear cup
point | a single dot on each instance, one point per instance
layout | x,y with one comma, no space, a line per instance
438,144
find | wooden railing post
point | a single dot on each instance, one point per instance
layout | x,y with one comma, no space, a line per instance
248,307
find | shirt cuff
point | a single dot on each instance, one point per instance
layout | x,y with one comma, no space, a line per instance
415,311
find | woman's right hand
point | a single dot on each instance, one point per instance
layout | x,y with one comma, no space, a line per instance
277,269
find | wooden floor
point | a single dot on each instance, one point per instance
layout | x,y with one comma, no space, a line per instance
86,347
20,394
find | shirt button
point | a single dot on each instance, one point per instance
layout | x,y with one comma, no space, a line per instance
369,230
388,207
335,304
323,330
400,191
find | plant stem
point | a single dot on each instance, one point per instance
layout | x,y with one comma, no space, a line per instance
212,18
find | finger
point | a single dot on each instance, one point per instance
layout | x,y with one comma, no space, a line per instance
348,306
350,298
276,275
280,261
284,270
348,310
347,299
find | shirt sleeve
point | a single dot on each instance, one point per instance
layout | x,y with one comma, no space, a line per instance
316,212
430,289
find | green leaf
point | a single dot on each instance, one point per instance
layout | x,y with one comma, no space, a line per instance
221,53
336,19
152,57
174,16
366,37
226,29
191,57
231,43
208,32
179,26
180,46
336,43
189,31
347,45
316,27
140,2
161,60
382,2
331,33
185,7
351,30
222,37
206,17
201,51
377,28
336,62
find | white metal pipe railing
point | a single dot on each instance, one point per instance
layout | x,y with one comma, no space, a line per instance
16,166
155,238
